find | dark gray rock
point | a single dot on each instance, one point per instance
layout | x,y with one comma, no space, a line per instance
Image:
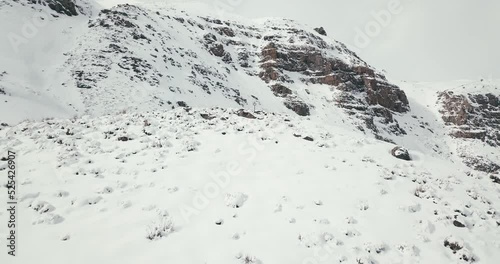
245,114
66,7
400,153
321,31
299,107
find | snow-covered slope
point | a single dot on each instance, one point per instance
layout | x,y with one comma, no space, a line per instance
157,57
223,188
32,51
464,118
170,135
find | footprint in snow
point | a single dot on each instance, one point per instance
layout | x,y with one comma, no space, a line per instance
413,208
61,194
42,207
235,200
29,196
125,204
26,181
89,201
377,248
408,249
173,189
351,233
363,206
323,221
350,220
49,218
149,207
121,184
317,239
105,190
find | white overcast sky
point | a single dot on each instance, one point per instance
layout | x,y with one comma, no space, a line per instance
428,40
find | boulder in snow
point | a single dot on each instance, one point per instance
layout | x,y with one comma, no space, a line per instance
400,153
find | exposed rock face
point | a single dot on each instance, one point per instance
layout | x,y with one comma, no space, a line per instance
472,116
401,153
66,7
362,92
281,90
321,31
480,163
299,107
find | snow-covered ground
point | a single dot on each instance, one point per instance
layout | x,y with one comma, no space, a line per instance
226,189
122,172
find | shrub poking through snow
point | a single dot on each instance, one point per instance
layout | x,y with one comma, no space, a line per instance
247,259
454,244
160,228
457,246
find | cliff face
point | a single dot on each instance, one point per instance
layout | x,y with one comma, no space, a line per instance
57,7
361,91
66,7
473,116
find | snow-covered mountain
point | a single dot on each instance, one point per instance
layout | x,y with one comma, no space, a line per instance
166,134
131,57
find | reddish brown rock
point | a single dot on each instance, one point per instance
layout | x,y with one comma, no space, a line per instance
472,116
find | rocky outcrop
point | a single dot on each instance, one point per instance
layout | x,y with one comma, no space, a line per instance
480,163
476,118
280,90
472,116
363,92
65,7
298,106
321,31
